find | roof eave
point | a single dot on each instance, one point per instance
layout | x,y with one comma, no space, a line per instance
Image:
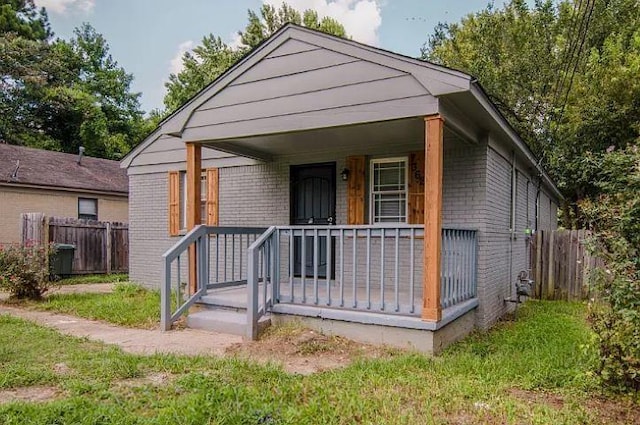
64,188
481,96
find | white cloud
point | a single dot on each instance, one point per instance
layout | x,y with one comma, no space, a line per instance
235,40
63,6
360,18
175,65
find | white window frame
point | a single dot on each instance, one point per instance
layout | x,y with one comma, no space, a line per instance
95,202
183,196
372,193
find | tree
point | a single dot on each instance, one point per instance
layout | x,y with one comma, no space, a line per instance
22,18
59,95
271,19
210,59
565,76
568,78
200,67
112,123
514,54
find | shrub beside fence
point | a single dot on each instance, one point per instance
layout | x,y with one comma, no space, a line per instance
101,247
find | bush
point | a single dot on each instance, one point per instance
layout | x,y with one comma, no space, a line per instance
615,314
24,271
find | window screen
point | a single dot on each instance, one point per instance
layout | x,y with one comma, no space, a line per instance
88,208
389,190
203,198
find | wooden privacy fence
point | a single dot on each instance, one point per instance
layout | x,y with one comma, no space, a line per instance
100,247
561,264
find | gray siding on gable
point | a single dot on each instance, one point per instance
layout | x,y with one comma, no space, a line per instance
298,88
307,82
169,152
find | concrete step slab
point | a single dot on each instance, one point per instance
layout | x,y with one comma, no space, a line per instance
225,321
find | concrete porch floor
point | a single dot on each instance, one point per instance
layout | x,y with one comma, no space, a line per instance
329,296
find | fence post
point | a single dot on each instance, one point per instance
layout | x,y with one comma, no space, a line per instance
32,228
108,240
551,267
538,263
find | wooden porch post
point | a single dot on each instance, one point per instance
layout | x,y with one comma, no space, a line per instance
434,126
194,170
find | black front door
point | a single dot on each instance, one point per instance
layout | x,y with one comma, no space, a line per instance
313,202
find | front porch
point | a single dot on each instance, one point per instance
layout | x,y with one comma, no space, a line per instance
368,275
387,273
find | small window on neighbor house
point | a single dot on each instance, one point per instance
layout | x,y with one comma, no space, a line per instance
203,198
388,190
88,208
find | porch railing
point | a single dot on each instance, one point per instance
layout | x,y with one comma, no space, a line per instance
459,266
364,268
357,267
220,254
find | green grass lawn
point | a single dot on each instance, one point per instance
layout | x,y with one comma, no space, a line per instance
128,305
533,371
94,278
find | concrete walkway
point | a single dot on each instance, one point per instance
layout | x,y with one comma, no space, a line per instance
137,341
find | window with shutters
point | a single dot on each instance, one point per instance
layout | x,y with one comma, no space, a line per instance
183,197
388,190
177,208
88,208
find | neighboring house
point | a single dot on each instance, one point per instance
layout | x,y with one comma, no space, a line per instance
58,184
402,200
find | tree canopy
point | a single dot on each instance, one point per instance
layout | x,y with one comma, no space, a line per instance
24,19
212,57
566,76
58,94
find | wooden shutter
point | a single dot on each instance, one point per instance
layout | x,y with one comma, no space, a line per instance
356,189
416,187
212,197
174,203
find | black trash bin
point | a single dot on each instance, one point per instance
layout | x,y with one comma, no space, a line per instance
62,260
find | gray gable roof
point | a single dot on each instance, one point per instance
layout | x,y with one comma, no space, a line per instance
318,57
302,79
60,170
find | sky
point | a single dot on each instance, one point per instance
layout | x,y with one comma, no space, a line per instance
148,37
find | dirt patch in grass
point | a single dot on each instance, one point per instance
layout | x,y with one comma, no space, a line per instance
62,369
304,351
605,411
153,379
37,394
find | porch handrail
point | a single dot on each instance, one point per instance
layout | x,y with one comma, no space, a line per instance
227,239
262,265
194,236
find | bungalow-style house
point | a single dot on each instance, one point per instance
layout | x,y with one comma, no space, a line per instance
363,192
58,184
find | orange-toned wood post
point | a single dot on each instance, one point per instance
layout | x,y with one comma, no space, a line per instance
194,170
434,128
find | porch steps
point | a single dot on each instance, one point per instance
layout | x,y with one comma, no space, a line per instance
223,311
216,300
224,321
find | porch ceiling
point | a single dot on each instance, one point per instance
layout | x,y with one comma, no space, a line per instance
402,134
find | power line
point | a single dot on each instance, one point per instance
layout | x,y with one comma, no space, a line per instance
571,62
569,49
575,67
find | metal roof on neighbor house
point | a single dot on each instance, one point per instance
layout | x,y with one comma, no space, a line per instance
39,167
